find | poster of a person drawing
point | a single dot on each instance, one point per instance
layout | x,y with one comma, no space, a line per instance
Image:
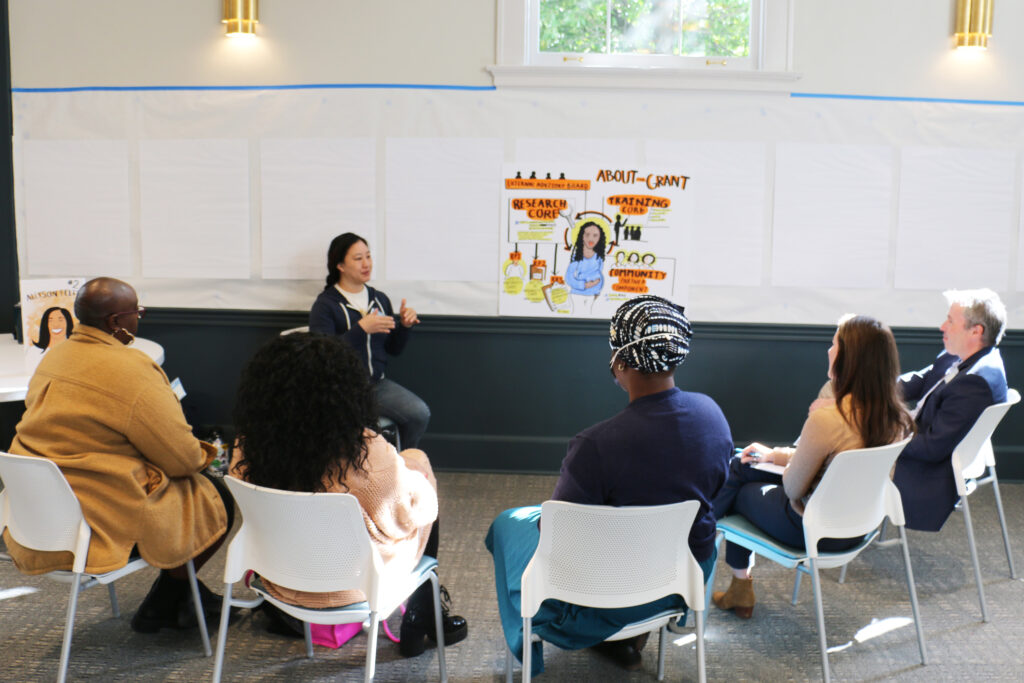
47,315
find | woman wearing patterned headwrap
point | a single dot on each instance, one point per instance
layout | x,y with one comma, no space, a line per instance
667,446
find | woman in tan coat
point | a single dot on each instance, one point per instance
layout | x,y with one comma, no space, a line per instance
304,405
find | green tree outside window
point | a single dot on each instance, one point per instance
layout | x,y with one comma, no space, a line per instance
686,28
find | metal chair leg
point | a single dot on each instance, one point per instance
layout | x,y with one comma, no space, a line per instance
197,601
820,613
796,585
662,632
508,665
435,584
371,648
1002,520
307,634
702,676
69,627
974,555
912,587
115,607
222,634
527,649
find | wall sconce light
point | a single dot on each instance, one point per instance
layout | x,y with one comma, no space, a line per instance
240,17
973,23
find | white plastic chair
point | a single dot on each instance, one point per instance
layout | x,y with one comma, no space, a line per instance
853,498
41,511
609,557
970,458
317,542
293,330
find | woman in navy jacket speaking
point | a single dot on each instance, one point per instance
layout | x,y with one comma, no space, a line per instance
364,317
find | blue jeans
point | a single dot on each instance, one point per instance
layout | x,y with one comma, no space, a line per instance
407,410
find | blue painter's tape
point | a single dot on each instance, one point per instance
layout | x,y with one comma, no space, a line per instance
887,98
301,86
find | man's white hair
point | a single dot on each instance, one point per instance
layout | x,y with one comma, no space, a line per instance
981,307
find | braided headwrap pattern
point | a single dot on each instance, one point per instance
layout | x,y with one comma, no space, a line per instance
650,334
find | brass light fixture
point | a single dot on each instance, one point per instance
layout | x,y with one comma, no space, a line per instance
973,23
240,17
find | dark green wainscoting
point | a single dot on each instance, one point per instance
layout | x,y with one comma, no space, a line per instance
507,394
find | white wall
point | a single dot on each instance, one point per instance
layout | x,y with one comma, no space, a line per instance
874,47
895,48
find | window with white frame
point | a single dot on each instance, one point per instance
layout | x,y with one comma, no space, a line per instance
645,43
668,33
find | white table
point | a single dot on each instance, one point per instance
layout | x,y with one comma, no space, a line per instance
13,371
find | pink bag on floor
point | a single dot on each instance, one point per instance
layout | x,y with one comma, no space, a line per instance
336,635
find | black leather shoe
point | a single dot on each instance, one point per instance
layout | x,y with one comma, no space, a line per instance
418,624
455,627
626,653
169,605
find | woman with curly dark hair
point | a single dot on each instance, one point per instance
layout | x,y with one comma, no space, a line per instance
302,414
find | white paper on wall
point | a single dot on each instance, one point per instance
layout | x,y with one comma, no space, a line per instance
77,197
442,201
313,190
574,151
832,215
956,214
194,208
728,186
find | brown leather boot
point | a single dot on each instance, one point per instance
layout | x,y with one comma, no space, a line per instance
739,597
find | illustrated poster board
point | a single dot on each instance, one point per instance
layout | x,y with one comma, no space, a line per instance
47,315
578,241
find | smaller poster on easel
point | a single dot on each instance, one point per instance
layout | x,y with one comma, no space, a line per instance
47,315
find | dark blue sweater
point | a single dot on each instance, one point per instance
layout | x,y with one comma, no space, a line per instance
332,314
663,448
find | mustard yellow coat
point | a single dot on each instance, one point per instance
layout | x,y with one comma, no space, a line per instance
106,414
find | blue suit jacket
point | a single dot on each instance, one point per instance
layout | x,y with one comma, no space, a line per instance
924,473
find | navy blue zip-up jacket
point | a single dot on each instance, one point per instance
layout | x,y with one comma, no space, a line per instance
332,314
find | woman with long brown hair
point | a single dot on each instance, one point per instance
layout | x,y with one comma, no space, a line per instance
867,411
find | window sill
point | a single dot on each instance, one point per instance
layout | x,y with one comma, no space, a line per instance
651,78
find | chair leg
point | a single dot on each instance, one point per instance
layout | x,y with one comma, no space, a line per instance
69,627
435,584
820,613
719,537
912,587
198,603
842,573
508,665
527,649
1002,520
699,617
796,585
969,525
662,632
307,633
371,648
115,608
222,633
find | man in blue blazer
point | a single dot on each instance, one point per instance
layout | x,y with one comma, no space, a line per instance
950,394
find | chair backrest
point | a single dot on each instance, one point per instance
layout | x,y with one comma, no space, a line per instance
602,556
313,542
39,508
293,330
854,495
974,451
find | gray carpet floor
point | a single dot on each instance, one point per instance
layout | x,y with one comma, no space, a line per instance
869,631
